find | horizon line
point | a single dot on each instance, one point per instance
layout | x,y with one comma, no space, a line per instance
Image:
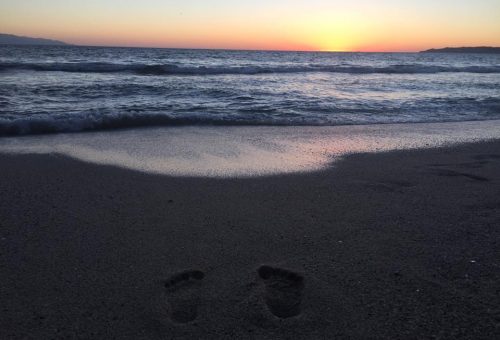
189,48
241,49
203,48
226,49
238,49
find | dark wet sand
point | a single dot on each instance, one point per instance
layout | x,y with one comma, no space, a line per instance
401,245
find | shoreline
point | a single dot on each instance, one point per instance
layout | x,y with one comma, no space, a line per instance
251,151
393,244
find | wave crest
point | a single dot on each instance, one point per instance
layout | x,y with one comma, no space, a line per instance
487,108
170,69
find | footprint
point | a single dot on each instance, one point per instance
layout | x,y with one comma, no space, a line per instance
283,291
183,295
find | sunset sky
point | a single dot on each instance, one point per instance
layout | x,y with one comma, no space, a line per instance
326,25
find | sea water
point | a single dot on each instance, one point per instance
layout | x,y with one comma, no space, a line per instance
210,112
67,88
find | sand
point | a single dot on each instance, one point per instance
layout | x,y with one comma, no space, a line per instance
401,245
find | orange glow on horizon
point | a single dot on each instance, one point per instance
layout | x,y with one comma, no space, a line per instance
316,25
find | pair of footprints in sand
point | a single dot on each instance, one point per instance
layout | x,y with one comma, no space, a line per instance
282,293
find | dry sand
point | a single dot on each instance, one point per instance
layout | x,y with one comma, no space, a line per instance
400,245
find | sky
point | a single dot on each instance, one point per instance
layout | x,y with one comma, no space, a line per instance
322,25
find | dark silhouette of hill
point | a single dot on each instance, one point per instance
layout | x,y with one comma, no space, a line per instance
9,39
480,49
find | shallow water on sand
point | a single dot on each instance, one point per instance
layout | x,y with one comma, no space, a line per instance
245,151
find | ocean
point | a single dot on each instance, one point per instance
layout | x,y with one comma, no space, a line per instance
239,113
68,88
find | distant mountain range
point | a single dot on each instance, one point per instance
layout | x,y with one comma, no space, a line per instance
481,49
9,39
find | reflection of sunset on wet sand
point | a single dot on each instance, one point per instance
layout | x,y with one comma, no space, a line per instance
245,151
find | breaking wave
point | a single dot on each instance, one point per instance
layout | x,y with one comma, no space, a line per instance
170,69
458,109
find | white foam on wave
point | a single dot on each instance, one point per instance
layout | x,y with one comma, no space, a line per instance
88,120
172,69
244,151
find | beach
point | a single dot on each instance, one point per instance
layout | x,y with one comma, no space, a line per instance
399,244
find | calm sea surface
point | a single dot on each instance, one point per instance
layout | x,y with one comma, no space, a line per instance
63,89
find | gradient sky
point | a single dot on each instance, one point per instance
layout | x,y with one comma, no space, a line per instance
356,25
